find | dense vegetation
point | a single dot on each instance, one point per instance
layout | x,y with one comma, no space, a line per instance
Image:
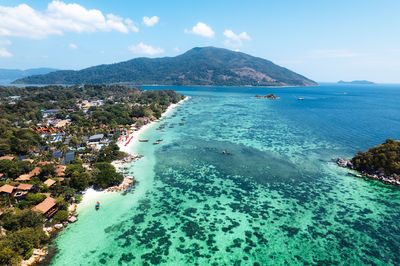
198,66
384,157
24,232
122,103
15,140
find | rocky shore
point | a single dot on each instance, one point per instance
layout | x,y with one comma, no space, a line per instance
393,179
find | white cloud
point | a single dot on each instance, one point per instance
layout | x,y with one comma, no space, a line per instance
142,48
131,25
332,53
149,22
201,29
235,40
5,42
73,46
59,17
5,53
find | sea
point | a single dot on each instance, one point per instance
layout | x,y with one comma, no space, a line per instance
243,181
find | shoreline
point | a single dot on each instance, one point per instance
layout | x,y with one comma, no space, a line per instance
385,179
90,193
136,134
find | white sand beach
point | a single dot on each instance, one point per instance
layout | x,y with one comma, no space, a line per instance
136,134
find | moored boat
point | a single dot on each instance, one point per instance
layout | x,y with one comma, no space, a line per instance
97,206
143,140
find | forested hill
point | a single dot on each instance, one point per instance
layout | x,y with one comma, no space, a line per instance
198,66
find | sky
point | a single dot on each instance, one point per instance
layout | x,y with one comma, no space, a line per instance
326,41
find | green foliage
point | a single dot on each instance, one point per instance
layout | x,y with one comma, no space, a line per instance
47,172
15,219
13,169
110,153
198,66
31,199
19,244
15,140
385,157
79,180
105,175
60,216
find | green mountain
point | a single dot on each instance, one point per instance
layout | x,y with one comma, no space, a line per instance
198,66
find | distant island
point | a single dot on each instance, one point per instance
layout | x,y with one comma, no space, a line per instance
381,162
356,82
269,96
12,74
208,66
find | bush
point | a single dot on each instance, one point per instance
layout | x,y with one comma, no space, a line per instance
106,176
16,220
60,216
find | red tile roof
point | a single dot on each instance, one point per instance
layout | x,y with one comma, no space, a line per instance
45,205
7,188
25,177
49,182
7,158
25,186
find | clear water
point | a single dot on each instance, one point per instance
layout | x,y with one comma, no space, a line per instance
277,199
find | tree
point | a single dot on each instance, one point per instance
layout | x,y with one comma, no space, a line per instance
105,175
79,180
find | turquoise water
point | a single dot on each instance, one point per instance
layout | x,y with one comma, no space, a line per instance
277,199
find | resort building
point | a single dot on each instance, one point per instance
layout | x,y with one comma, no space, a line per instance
50,183
48,207
6,190
96,138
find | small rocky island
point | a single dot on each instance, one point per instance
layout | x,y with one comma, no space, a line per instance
269,96
381,163
356,82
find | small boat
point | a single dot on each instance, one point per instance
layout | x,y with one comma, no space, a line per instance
301,99
155,143
160,140
97,206
143,140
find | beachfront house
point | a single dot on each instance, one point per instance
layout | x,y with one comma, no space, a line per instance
48,207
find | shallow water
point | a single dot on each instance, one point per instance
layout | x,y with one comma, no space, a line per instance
276,199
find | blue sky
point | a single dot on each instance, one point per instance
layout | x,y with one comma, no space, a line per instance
323,40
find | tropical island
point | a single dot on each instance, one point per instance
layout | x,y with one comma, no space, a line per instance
381,162
209,66
55,142
356,82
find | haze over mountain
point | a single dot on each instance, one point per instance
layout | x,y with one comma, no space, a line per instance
198,66
12,74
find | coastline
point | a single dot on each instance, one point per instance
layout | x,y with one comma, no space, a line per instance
90,194
136,134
